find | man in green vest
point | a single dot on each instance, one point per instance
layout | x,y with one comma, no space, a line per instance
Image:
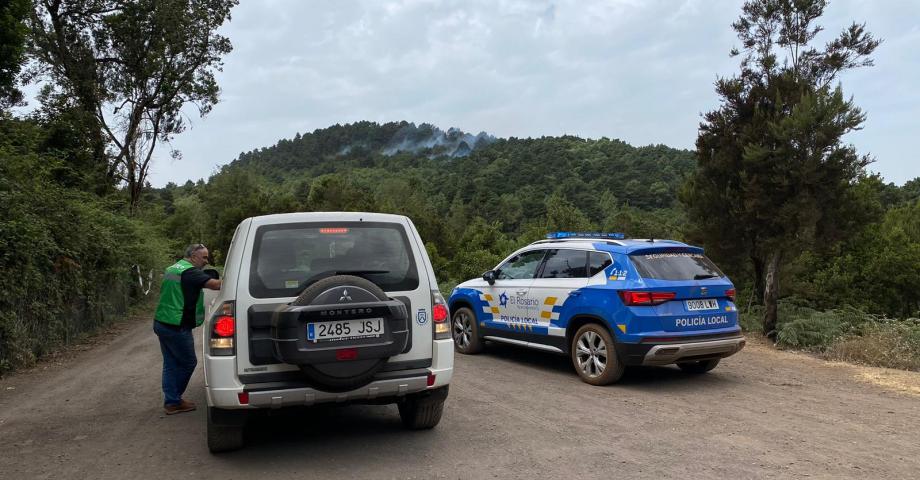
181,308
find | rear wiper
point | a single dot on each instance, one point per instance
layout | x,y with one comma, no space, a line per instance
703,276
359,272
330,273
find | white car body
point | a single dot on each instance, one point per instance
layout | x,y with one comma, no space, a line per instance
427,365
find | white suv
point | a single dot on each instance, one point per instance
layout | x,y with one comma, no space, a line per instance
325,307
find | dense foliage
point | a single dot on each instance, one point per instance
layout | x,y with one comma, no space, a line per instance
115,77
65,254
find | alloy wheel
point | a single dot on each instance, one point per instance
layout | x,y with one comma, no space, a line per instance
591,354
463,329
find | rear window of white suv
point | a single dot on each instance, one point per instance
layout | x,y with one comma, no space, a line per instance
287,257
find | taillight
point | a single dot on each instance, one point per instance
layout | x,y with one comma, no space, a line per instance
225,326
730,293
634,298
440,316
439,313
223,330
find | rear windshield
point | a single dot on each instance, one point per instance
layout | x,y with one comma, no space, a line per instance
288,257
675,266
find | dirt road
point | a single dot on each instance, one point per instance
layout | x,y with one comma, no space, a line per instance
511,414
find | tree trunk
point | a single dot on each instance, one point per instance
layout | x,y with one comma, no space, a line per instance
758,279
771,294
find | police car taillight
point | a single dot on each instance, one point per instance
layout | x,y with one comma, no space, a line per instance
223,330
440,316
730,293
633,298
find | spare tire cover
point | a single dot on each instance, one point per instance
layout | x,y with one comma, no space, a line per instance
340,290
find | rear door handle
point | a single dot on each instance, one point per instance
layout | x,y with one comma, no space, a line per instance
574,294
522,292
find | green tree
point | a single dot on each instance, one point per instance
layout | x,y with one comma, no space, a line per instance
12,49
773,176
131,67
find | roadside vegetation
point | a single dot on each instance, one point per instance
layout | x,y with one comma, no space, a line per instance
114,76
837,248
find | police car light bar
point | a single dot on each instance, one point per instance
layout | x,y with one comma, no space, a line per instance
559,235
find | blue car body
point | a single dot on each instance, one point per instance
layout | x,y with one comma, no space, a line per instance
686,319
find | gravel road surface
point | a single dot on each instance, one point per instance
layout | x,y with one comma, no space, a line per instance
95,413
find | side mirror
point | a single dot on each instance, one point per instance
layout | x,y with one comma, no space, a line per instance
489,277
212,273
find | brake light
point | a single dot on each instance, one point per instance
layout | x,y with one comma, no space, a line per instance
439,313
634,298
730,293
225,326
439,316
243,397
223,330
333,231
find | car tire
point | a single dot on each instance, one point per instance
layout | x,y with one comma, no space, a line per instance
701,366
465,332
223,438
423,411
594,355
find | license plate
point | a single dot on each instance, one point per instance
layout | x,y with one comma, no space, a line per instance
344,329
705,304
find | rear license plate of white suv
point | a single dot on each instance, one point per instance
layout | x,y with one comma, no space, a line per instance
705,304
345,329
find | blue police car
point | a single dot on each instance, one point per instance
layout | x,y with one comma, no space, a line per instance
606,301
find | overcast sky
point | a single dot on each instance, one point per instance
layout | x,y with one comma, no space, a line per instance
638,70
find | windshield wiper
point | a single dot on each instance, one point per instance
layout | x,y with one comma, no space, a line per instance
703,276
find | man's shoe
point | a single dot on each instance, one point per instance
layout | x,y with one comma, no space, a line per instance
183,406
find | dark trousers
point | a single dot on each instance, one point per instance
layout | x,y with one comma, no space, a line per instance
179,360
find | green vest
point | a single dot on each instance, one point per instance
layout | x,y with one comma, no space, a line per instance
169,310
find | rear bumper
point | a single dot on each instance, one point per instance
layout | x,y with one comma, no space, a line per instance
668,353
375,391
223,384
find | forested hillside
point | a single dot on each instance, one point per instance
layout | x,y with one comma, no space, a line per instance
471,208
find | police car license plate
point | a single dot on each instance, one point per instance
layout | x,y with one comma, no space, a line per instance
345,329
704,304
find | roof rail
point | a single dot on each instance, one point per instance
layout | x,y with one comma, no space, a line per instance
656,240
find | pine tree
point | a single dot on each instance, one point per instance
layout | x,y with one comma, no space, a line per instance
773,176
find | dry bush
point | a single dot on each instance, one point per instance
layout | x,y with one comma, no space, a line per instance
892,344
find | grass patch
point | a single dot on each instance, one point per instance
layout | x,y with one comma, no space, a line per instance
892,344
845,333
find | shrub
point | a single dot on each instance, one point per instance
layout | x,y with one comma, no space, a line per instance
811,329
891,343
65,254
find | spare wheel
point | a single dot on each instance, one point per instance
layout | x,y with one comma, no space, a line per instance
340,331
